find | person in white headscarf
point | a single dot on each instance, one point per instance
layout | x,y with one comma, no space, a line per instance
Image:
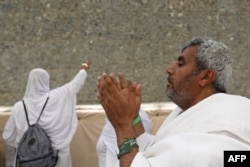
59,119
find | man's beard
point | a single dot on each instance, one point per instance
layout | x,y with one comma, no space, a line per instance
181,94
178,97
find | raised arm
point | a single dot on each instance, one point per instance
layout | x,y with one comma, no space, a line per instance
121,110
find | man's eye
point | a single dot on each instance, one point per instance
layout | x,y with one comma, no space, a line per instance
180,63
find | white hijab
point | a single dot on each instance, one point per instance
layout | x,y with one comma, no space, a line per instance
38,86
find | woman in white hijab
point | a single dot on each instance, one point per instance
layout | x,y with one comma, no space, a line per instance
59,119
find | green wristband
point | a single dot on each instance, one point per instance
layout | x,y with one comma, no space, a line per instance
137,120
126,147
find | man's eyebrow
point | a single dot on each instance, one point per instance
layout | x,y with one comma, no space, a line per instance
181,58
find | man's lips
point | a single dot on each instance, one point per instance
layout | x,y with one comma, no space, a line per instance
170,81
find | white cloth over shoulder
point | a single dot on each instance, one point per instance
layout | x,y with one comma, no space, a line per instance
107,149
59,119
188,149
199,135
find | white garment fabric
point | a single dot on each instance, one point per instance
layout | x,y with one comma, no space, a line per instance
59,118
106,147
200,135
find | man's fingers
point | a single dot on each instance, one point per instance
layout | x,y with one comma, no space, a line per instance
135,95
123,82
102,88
138,93
103,94
111,84
138,90
131,92
112,77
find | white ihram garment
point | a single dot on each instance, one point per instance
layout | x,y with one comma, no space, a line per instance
198,136
59,119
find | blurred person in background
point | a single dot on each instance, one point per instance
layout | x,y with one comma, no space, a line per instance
59,119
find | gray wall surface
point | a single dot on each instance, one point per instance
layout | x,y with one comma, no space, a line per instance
136,37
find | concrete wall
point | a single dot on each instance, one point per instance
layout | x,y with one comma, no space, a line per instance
136,37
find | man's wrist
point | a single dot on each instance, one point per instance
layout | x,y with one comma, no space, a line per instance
138,129
137,120
126,147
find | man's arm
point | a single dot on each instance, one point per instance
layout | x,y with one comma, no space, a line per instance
121,112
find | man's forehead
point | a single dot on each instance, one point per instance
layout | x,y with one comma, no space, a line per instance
188,54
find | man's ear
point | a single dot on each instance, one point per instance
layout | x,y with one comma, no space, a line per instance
207,77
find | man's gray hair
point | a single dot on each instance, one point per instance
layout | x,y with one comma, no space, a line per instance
213,55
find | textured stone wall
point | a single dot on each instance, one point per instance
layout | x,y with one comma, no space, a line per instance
136,37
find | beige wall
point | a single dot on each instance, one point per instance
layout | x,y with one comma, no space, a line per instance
91,119
136,37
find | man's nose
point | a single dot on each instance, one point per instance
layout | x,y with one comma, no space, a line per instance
170,69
